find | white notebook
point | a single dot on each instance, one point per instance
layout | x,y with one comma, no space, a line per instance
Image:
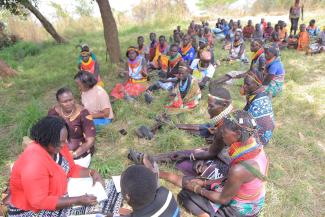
81,186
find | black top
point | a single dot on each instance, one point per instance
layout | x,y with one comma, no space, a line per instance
164,203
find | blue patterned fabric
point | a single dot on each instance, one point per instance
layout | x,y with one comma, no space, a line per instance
261,109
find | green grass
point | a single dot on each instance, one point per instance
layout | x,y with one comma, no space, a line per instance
296,151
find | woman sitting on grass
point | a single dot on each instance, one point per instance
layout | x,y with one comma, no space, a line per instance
187,51
161,49
242,193
38,182
168,70
186,94
275,72
203,70
89,63
210,162
135,77
237,49
303,38
319,46
259,104
95,99
81,127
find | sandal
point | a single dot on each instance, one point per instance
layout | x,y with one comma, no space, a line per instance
144,132
136,157
148,97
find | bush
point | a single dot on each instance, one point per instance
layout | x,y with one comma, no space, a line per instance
21,50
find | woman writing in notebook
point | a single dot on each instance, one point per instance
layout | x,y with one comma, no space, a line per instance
38,182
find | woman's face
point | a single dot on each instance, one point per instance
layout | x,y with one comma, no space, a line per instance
237,36
85,58
254,46
173,51
186,40
66,101
162,41
229,137
249,85
268,55
214,108
51,149
182,74
132,55
140,41
152,37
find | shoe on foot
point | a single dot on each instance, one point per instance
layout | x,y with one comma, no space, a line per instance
148,97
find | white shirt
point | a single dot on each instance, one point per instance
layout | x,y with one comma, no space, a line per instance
199,73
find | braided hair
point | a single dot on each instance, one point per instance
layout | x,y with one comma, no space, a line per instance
47,131
243,122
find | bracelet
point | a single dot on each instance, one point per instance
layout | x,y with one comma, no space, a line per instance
195,188
192,158
74,154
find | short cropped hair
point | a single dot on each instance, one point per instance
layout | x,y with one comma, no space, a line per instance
219,91
62,91
140,184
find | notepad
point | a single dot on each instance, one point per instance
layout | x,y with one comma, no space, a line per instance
117,183
81,186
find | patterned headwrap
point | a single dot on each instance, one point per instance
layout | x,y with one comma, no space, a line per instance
131,49
205,55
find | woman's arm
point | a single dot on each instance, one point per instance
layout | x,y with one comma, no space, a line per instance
84,147
144,68
126,72
236,177
88,132
102,114
66,202
96,73
241,51
268,79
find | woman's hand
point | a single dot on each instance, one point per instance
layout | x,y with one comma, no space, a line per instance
192,186
96,177
87,200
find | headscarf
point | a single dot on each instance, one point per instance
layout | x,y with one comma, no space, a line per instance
205,55
131,48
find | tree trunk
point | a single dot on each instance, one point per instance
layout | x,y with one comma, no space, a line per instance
6,70
110,31
46,24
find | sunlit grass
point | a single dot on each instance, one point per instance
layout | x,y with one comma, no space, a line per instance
296,154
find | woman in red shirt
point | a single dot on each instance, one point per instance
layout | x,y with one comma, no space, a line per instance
39,178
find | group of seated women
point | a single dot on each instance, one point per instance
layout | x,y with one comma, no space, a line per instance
225,178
